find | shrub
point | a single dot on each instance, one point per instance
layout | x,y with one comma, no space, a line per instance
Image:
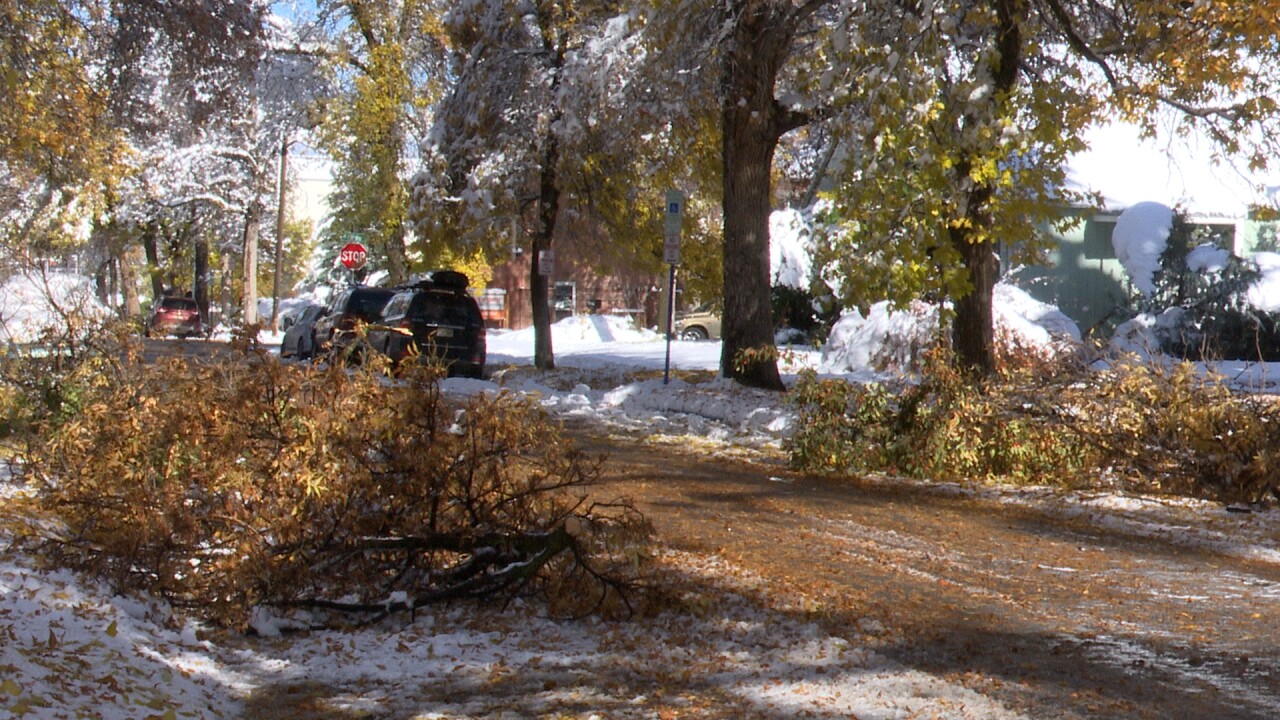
231,485
43,383
944,427
1147,428
1174,430
1215,318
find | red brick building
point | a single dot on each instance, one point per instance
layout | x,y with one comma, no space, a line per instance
576,289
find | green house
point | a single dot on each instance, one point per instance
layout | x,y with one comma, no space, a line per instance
1083,277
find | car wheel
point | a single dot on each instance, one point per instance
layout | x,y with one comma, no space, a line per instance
694,333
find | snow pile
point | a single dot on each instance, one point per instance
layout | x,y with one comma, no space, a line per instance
790,254
1265,293
884,338
889,339
1208,258
600,341
1140,238
32,304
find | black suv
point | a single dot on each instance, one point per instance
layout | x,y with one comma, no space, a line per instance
336,329
439,318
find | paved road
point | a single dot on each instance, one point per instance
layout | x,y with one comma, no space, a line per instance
191,349
1058,619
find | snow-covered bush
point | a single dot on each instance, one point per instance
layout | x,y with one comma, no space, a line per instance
1199,302
54,338
899,339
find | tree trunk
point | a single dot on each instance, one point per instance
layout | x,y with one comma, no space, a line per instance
200,284
224,302
397,258
252,227
548,201
748,313
973,331
278,269
128,284
152,249
973,334
544,233
539,299
752,124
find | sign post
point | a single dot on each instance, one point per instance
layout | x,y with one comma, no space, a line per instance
672,218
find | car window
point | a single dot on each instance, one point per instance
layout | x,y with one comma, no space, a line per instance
398,305
175,303
444,310
340,301
369,304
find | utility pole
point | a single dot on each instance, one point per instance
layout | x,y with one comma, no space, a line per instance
280,217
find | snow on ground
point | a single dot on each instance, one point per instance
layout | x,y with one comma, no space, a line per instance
29,302
72,648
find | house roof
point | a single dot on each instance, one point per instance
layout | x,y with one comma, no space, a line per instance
1127,169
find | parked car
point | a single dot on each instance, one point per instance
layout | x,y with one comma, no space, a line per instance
436,317
299,339
335,330
174,315
699,324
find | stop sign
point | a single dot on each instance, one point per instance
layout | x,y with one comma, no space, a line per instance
352,255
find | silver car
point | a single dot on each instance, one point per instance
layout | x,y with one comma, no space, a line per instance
299,333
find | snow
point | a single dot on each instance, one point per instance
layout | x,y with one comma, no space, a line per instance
1208,258
789,249
1176,169
31,302
887,338
1140,238
1265,293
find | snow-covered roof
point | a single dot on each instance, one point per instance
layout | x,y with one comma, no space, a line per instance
1127,169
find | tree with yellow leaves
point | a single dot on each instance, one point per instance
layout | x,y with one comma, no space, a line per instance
967,112
386,59
59,151
954,119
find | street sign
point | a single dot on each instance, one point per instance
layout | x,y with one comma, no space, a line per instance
671,249
671,221
353,256
546,262
674,212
